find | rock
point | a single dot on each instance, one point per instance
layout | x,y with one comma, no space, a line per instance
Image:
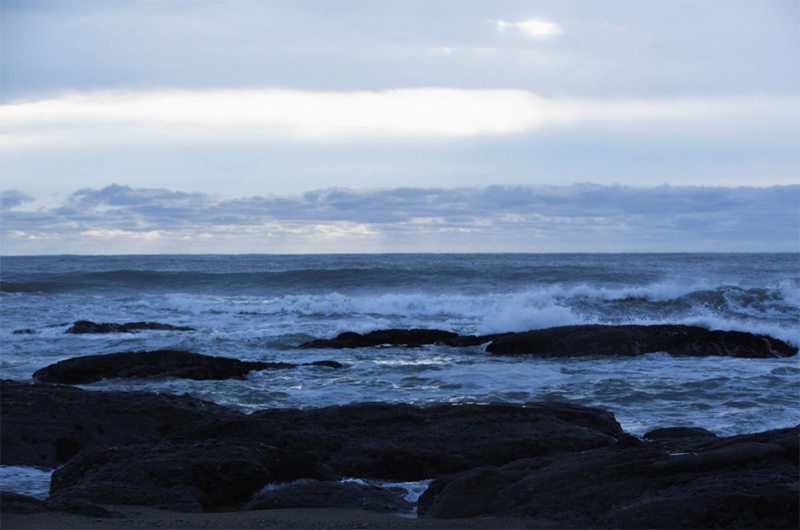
79,507
395,337
328,364
46,425
628,341
315,494
407,442
738,482
670,433
572,341
193,477
87,326
11,502
26,331
158,363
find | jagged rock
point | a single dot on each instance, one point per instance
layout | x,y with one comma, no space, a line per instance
746,481
395,337
627,341
187,477
46,425
407,442
158,363
87,326
315,494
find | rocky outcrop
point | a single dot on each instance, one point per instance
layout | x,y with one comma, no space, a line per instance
46,425
574,341
159,363
193,477
11,502
407,442
673,433
86,326
628,341
394,337
315,494
746,481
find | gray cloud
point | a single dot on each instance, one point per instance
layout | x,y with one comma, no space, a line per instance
13,198
585,217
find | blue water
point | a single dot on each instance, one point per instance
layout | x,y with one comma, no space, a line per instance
259,307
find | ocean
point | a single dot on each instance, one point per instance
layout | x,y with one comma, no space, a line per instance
260,307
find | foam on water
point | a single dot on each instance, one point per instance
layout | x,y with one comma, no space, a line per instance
26,480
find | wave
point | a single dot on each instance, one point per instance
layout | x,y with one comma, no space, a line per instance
773,311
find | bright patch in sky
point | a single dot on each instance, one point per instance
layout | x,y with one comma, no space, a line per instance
533,28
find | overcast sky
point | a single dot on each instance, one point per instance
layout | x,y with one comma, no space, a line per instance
300,126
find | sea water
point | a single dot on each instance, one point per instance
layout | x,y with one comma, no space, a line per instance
260,307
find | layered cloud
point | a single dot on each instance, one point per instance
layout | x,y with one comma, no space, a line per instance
420,114
120,219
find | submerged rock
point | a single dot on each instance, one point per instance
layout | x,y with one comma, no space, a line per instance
628,341
407,442
87,326
394,337
26,331
748,481
46,425
315,494
158,363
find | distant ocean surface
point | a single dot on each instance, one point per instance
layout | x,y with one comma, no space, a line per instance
258,307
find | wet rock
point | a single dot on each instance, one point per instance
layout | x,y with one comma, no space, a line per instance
628,341
315,494
394,337
26,331
11,502
406,442
159,363
87,326
46,425
671,433
193,477
738,482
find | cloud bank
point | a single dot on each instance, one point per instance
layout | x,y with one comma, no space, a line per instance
419,114
584,217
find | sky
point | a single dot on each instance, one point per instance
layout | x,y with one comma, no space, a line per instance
399,126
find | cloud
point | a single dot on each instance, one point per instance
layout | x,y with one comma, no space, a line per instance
584,217
13,198
418,114
533,28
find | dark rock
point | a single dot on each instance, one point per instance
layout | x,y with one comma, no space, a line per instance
315,494
394,337
738,482
628,341
671,433
26,331
45,425
79,507
193,477
87,326
328,364
11,502
158,363
406,442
